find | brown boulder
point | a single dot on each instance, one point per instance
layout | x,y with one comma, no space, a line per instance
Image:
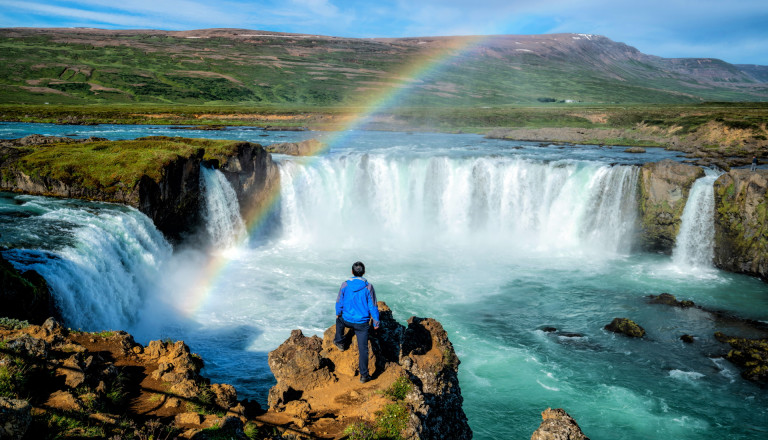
558,425
347,362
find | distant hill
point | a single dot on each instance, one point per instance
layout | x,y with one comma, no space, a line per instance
81,66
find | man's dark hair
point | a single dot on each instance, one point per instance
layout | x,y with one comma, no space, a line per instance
358,269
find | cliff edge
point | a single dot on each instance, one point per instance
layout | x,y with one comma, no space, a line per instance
158,175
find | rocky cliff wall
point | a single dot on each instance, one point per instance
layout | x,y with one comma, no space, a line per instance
169,195
664,188
741,227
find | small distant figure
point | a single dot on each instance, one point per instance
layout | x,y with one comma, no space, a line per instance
754,163
356,308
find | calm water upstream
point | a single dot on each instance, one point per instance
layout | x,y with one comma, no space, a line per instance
495,239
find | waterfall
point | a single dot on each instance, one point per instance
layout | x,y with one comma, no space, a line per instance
109,264
694,244
221,210
412,201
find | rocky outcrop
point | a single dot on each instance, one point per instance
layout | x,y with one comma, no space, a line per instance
751,355
741,222
670,300
303,148
556,424
664,188
626,326
94,379
15,417
170,196
24,296
315,378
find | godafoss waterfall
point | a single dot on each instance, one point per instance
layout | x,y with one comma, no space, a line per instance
523,252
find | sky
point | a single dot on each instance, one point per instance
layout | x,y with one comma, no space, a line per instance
735,31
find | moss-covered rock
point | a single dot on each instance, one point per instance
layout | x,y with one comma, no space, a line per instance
741,222
670,300
751,355
24,296
626,326
158,175
664,188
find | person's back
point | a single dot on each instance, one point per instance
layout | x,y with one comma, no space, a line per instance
356,308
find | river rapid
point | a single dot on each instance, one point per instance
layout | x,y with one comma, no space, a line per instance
495,239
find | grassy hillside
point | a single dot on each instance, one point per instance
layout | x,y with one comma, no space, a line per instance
255,68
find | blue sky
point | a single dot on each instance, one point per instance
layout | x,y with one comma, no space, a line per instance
735,31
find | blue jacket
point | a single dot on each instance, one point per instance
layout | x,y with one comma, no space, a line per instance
357,302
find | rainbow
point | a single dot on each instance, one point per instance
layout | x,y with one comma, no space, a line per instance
432,61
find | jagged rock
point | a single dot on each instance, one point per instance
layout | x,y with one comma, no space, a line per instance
29,346
421,352
688,339
751,355
741,229
556,424
188,418
626,326
664,188
225,395
670,300
303,148
176,366
15,418
72,370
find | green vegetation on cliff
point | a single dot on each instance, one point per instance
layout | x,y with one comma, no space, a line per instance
111,166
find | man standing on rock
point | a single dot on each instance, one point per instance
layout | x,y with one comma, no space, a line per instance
355,308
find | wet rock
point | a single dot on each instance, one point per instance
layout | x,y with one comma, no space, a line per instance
24,296
626,326
558,425
664,188
688,339
635,150
670,300
741,200
15,418
751,355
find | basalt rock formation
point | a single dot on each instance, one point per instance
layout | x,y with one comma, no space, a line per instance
167,191
24,296
414,393
741,222
664,188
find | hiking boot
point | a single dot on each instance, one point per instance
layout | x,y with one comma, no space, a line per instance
364,379
339,345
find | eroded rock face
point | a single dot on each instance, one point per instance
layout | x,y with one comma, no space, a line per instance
24,296
741,222
664,188
556,424
421,352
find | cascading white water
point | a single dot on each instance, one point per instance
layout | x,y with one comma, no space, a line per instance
516,203
100,280
221,209
694,244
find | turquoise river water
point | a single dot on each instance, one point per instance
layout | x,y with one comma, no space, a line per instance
495,239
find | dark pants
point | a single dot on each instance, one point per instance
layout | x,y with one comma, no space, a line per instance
361,331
